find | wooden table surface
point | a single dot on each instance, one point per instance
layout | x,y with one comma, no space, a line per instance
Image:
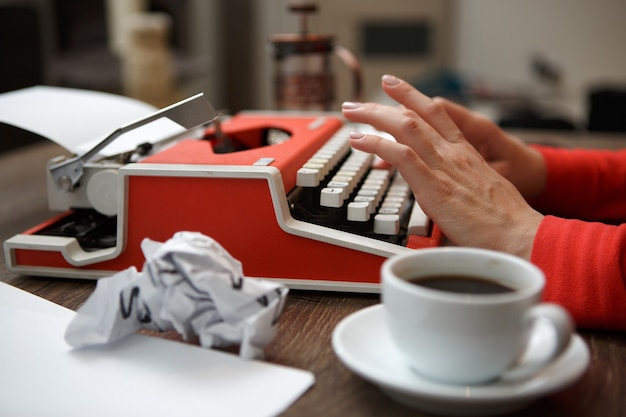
308,320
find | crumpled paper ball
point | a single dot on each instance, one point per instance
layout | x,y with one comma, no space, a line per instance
190,284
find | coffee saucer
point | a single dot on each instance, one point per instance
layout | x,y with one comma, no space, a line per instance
363,343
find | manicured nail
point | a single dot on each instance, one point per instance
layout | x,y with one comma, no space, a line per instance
390,80
349,105
356,135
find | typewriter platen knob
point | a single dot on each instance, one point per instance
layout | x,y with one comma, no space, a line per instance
102,191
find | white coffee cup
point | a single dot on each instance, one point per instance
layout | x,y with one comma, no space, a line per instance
463,338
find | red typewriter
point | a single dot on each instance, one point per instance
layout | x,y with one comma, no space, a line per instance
283,192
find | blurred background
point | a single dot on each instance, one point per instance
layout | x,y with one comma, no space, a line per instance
547,64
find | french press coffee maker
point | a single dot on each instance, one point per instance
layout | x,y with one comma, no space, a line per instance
303,77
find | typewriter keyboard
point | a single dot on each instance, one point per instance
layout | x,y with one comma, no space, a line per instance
340,188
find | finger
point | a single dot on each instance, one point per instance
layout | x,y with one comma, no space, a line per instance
374,114
428,109
457,113
389,119
404,125
470,123
409,164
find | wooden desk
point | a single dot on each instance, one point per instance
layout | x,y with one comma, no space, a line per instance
305,329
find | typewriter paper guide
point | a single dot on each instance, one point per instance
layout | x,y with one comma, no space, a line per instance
77,119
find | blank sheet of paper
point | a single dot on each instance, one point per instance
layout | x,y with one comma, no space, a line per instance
141,375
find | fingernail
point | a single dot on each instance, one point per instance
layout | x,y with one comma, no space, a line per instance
349,105
390,80
356,135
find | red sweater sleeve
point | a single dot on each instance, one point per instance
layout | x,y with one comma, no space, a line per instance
584,262
584,184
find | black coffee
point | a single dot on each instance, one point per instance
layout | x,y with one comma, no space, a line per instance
464,284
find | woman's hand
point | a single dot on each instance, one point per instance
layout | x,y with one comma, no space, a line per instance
472,203
509,156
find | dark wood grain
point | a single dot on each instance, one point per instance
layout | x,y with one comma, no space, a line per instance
306,326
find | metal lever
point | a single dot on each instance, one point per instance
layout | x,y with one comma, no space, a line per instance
190,113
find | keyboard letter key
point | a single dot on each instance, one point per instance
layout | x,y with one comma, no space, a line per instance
387,224
418,221
331,197
359,211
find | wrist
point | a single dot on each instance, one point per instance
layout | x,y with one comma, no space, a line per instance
521,240
536,173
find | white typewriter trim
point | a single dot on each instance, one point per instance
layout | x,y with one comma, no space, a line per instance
324,285
67,246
